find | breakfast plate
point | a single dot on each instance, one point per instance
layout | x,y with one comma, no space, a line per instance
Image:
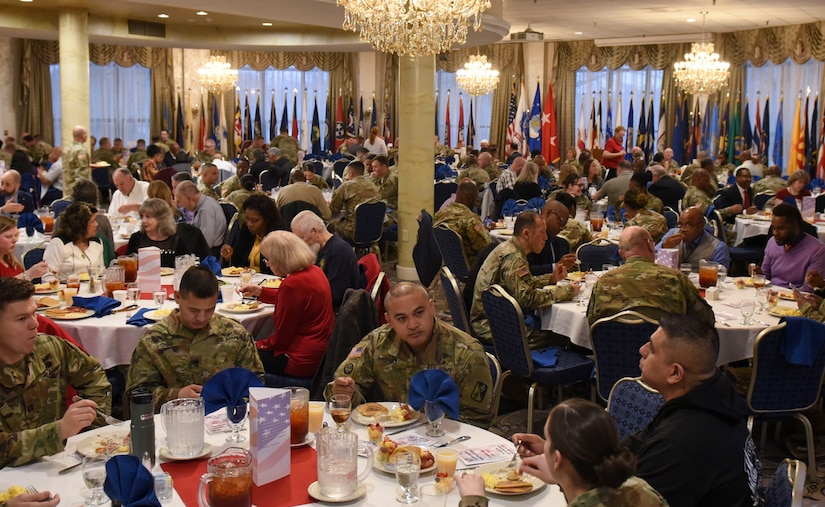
784,311
237,307
232,271
495,476
97,445
400,414
158,314
69,313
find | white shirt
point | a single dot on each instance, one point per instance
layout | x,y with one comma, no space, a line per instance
69,259
55,175
750,166
137,196
379,147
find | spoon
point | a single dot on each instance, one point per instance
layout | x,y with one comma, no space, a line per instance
455,441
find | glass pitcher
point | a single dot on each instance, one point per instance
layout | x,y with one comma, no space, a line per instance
129,263
229,480
182,420
708,273
114,278
338,462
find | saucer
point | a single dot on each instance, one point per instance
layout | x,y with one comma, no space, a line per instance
164,453
314,491
307,440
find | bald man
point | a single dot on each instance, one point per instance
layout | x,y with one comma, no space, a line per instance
76,160
460,217
556,249
14,200
694,242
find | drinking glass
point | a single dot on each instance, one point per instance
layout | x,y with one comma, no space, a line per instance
94,475
340,407
747,311
236,416
686,268
133,292
723,273
435,414
407,468
763,297
759,281
159,298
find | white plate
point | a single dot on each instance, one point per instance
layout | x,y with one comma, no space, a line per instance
362,419
227,272
43,292
492,468
156,315
390,469
239,308
307,440
784,311
70,316
96,444
43,308
206,451
314,491
272,283
167,271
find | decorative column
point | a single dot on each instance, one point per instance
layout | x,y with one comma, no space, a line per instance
415,154
73,38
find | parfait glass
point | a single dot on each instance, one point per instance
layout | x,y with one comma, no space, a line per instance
340,408
236,415
94,475
435,414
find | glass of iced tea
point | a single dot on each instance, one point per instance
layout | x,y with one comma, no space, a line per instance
48,223
597,222
340,407
708,273
228,479
298,415
73,282
759,281
129,263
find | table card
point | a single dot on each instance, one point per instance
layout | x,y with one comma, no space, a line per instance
269,433
149,269
489,454
668,257
420,441
808,209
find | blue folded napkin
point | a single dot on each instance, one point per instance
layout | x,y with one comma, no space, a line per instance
228,388
536,203
30,222
546,358
129,482
803,340
100,304
434,385
212,264
138,318
510,208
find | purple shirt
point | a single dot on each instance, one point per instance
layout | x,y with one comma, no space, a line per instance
783,267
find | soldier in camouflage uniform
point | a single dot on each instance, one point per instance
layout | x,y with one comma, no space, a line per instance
37,148
573,186
507,266
207,155
477,174
353,192
387,183
574,232
37,369
288,146
772,182
138,156
176,356
316,180
76,160
257,144
412,341
460,217
104,153
644,286
703,193
637,214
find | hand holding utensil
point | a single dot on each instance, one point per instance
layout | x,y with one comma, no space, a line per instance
109,419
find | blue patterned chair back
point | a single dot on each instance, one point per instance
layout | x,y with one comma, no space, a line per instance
595,254
268,180
633,404
452,251
229,210
318,166
787,486
511,207
455,301
33,256
762,198
58,206
339,166
615,342
535,204
671,217
507,327
369,222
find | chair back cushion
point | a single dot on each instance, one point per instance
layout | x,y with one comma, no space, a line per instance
632,404
507,328
615,342
452,251
594,256
426,256
454,301
369,222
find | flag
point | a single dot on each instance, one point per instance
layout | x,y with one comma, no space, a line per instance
549,129
216,123
713,131
747,130
237,128
661,132
374,118
628,141
641,133
471,128
522,119
618,114
460,121
273,118
723,127
650,138
704,137
316,128
284,127
247,124
608,126
257,126
580,144
756,142
202,125
351,119
797,158
387,122
511,119
678,131
734,137
167,118
304,123
778,140
295,115
222,130
339,122
812,140
447,140
361,126
329,134
598,136
591,131
803,125
179,127
534,128
820,163
765,133
690,121
189,122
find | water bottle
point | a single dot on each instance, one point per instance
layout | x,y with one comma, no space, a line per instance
143,424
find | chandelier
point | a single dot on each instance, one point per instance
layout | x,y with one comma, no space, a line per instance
413,27
217,75
701,73
477,77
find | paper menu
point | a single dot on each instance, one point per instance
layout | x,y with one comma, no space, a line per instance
418,440
269,433
149,269
488,454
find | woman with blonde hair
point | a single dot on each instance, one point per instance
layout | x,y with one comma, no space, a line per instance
795,190
74,247
303,307
375,144
10,265
160,190
527,185
159,229
571,158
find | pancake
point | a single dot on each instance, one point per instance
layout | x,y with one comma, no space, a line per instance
372,409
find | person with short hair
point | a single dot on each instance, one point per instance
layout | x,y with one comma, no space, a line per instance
130,192
208,179
556,249
159,228
615,188
12,199
694,241
791,253
50,174
460,217
299,190
356,190
104,153
177,355
795,189
208,214
665,187
613,152
152,165
37,369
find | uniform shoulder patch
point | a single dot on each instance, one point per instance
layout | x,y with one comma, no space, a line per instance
522,271
479,392
355,352
348,368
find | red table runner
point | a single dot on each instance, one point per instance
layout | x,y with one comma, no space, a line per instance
291,490
168,288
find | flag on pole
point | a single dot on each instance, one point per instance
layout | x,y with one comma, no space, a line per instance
735,139
522,119
797,158
803,124
641,132
339,122
247,123
704,136
189,122
628,141
661,132
756,142
257,126
549,129
580,144
534,126
447,139
202,125
273,118
766,132
650,138
811,143
351,119
598,136
591,131
608,126
216,123
374,116
222,130
316,127
779,140
713,131
460,121
471,128
329,135
511,120
295,114
618,114
167,118
179,126
237,128
747,130
361,126
694,127
285,114
304,123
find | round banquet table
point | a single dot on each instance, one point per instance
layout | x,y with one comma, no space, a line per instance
291,490
26,242
735,339
748,227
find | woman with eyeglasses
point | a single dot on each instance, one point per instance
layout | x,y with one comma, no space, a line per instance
74,247
244,246
574,185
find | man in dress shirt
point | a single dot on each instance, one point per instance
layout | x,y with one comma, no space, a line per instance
556,249
791,253
51,177
208,217
694,242
130,192
737,197
14,200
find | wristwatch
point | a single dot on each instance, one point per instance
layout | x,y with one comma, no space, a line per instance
26,277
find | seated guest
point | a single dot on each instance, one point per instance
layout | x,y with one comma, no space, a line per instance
129,195
279,166
244,247
507,266
241,194
303,316
527,183
50,174
37,368
556,249
85,190
160,190
637,213
152,165
795,190
460,217
638,182
738,198
508,177
177,179
614,188
259,164
208,214
694,242
233,182
581,453
644,286
791,253
300,190
10,265
697,450
593,174
356,190
12,199
701,194
773,182
308,170
414,339
474,172
335,256
574,184
176,356
158,228
209,178
74,247
704,163
665,187
574,231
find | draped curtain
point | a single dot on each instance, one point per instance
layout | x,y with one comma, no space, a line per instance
36,91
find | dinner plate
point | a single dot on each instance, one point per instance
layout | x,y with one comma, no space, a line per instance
48,306
68,316
784,311
314,491
231,271
307,440
748,281
505,232
158,314
272,283
96,445
787,295
236,307
164,453
43,292
390,469
495,468
391,406
167,271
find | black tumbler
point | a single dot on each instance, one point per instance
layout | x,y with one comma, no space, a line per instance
143,424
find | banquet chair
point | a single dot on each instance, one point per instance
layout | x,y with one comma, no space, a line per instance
339,166
268,180
59,205
165,175
779,389
597,253
291,209
454,301
718,225
452,251
229,210
820,203
442,191
33,256
787,487
369,225
615,342
495,396
103,180
762,198
671,217
318,166
426,255
512,350
633,404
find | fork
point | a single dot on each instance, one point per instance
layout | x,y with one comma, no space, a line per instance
514,461
33,491
109,419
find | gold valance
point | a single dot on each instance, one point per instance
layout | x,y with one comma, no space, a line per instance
577,54
797,42
303,61
48,52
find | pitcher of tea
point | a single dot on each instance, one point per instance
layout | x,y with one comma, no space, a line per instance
228,480
129,263
114,278
338,462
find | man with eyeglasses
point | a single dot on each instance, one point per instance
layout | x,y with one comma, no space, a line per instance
556,249
694,242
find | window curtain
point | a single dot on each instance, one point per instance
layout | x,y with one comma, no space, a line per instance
36,92
387,97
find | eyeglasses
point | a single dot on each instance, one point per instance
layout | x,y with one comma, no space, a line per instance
561,221
686,225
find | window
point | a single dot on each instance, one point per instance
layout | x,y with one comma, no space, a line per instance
482,110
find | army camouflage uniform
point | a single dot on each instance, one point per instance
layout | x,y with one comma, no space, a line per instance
812,312
169,356
229,185
388,191
347,197
574,162
652,222
575,233
40,151
205,158
695,196
75,166
769,184
383,360
687,176
248,153
288,146
319,181
648,288
467,225
672,167
238,197
477,174
493,172
6,158
723,172
104,155
582,201
207,190
138,157
507,266
34,398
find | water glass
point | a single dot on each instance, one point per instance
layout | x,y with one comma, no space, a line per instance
159,297
94,475
435,414
433,496
763,297
747,311
236,416
407,469
686,268
133,292
723,273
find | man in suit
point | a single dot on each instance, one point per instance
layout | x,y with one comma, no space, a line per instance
666,188
14,200
556,249
737,197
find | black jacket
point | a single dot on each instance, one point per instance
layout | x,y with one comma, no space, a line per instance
729,196
554,249
697,450
669,191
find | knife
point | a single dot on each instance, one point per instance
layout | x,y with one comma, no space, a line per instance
125,309
407,428
69,468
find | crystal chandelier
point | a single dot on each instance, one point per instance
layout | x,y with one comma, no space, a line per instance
701,73
477,77
217,76
413,27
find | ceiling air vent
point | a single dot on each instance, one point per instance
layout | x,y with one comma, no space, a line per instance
147,29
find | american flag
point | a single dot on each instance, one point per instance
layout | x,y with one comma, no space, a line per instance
511,119
273,419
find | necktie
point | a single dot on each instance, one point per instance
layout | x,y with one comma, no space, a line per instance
746,198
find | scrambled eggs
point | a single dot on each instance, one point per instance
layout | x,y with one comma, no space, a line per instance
12,492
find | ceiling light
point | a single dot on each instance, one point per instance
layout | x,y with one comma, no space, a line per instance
477,77
577,33
217,75
690,20
701,73
202,13
163,16
27,1
267,23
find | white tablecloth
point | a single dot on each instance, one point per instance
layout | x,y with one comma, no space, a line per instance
26,242
750,227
